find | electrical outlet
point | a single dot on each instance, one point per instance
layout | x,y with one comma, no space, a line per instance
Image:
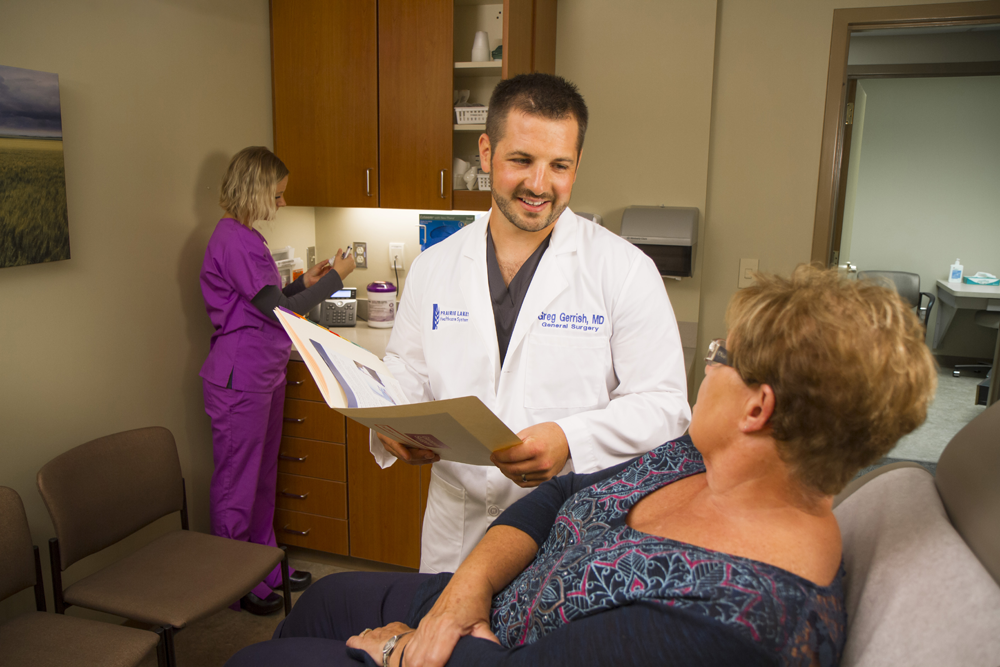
396,256
747,267
360,254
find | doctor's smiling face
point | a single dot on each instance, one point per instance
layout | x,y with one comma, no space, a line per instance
533,168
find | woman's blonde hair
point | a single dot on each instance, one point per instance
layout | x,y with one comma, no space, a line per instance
847,361
249,186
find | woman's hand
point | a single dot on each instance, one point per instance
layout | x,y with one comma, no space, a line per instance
372,641
343,265
312,276
459,612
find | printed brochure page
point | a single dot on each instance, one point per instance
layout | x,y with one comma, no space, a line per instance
356,383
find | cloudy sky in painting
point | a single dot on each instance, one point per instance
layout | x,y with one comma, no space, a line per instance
29,104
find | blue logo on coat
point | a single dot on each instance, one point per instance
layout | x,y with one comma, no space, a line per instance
441,316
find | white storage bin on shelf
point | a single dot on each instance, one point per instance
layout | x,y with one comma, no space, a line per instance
483,181
470,115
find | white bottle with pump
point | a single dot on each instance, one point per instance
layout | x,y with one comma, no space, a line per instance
955,274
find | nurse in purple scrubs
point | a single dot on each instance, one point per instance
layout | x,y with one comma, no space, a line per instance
244,375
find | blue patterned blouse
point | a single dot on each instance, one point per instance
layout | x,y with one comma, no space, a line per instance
592,561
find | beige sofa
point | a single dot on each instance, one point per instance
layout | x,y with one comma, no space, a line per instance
922,555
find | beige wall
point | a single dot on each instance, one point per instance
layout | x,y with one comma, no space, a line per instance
156,95
645,69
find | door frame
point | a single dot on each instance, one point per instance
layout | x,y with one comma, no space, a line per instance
846,21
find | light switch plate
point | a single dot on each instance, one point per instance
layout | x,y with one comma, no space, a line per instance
360,254
747,266
310,257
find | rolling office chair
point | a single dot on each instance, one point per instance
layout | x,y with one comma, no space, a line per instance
908,286
990,319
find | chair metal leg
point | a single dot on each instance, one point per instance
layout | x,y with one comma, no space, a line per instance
55,560
161,648
286,586
168,642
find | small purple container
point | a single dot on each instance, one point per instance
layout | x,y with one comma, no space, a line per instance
381,304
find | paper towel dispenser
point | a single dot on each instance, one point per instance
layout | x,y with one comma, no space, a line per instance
667,234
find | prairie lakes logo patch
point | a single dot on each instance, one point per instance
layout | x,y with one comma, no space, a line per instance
441,316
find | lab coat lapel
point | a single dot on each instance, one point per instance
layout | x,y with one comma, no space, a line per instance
476,290
552,277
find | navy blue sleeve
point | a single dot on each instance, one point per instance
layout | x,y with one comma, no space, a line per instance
639,634
536,513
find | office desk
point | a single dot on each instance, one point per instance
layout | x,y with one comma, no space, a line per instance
951,297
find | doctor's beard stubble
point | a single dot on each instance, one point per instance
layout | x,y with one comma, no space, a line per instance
506,207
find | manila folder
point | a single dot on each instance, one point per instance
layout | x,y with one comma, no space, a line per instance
457,429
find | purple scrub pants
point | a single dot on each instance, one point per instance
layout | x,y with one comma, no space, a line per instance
246,436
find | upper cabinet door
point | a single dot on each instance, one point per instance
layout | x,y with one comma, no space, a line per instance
415,103
324,64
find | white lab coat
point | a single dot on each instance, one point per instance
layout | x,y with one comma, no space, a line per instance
595,349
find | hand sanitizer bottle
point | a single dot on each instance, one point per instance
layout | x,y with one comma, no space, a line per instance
955,275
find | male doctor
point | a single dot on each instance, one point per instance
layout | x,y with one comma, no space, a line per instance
560,327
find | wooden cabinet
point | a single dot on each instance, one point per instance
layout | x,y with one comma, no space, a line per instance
362,101
331,495
363,94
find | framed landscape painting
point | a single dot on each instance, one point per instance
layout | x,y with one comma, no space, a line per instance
33,223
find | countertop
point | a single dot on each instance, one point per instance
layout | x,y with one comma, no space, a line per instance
373,340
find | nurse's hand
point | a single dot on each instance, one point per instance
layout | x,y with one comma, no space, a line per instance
412,455
312,276
343,265
542,454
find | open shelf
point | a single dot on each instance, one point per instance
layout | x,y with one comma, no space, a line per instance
476,127
491,68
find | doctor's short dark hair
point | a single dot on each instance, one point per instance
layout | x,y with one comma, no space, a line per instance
248,189
848,364
537,94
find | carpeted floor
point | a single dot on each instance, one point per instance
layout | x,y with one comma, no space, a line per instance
212,641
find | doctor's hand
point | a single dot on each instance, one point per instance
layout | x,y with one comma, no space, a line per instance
412,455
312,276
542,454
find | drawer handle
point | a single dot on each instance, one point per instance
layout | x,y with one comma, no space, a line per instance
295,420
295,495
303,533
296,459
294,383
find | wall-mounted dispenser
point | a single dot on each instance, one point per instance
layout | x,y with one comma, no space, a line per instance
667,234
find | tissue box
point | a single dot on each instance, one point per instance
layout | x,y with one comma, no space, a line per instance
981,280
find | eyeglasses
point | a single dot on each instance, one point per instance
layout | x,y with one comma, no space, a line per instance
717,353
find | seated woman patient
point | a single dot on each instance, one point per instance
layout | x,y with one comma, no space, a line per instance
718,548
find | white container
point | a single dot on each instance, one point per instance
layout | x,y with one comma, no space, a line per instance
381,304
481,48
955,274
483,181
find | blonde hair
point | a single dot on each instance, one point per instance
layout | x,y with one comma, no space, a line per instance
847,361
248,188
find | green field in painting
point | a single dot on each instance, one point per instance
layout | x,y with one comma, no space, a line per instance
33,223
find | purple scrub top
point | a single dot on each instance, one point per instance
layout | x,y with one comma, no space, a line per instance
246,344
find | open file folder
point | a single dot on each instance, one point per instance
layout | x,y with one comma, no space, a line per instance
356,383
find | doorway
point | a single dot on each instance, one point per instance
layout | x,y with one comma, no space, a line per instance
889,133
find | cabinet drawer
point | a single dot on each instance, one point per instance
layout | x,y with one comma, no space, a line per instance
313,421
300,384
315,496
311,531
313,458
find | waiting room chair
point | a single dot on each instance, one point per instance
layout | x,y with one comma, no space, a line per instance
103,491
922,556
55,640
908,286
